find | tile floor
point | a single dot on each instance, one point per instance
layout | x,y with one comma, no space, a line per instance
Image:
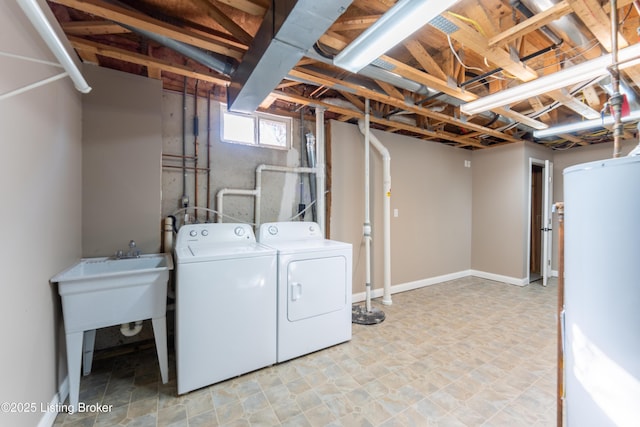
469,352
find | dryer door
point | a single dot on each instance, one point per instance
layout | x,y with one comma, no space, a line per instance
315,286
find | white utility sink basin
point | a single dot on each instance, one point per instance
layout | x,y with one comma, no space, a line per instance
101,292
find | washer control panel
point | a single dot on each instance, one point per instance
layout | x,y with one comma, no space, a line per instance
214,233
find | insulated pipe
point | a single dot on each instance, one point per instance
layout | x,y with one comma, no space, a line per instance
320,169
386,183
168,235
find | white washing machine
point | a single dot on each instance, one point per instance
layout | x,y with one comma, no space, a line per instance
314,287
225,304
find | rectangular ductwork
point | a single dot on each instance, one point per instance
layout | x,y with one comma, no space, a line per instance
289,29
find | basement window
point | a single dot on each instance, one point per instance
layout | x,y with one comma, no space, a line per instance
259,129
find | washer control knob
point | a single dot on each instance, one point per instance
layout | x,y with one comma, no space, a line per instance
273,230
312,228
205,232
239,231
193,233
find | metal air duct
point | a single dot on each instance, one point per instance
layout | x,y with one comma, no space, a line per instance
288,31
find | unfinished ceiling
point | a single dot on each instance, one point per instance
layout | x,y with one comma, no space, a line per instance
476,48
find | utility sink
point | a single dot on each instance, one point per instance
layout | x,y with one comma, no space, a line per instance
101,292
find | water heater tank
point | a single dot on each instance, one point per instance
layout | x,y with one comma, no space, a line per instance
602,293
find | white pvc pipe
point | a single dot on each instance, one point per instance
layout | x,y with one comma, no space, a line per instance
386,183
366,227
320,168
257,192
221,193
32,9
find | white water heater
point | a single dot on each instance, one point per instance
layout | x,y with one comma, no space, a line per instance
602,293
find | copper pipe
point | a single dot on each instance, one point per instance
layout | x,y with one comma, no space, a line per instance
560,322
191,168
177,156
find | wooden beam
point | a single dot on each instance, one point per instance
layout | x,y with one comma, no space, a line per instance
373,95
475,41
425,60
227,23
136,58
390,89
597,21
92,28
337,42
136,19
255,8
535,22
297,99
359,23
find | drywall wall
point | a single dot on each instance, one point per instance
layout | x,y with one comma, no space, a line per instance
121,159
431,192
500,211
231,166
40,183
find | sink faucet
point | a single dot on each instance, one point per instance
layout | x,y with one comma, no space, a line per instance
131,253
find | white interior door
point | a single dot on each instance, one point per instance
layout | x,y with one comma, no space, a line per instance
546,222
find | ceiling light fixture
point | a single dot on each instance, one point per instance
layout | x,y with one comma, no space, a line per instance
588,70
403,19
584,125
44,28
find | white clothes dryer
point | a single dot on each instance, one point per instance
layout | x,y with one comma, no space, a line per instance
314,287
225,304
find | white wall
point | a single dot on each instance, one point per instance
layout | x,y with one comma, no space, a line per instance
430,188
122,146
499,211
40,211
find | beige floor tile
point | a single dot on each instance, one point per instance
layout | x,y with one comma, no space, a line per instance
469,352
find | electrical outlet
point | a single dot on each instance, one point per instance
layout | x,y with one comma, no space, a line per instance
395,213
467,163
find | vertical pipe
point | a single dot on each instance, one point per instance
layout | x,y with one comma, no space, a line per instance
196,130
320,180
616,99
208,156
560,322
386,181
366,228
185,198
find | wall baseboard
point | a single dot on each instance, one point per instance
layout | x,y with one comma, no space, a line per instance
49,418
500,278
408,286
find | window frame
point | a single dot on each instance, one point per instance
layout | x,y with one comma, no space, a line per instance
257,117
